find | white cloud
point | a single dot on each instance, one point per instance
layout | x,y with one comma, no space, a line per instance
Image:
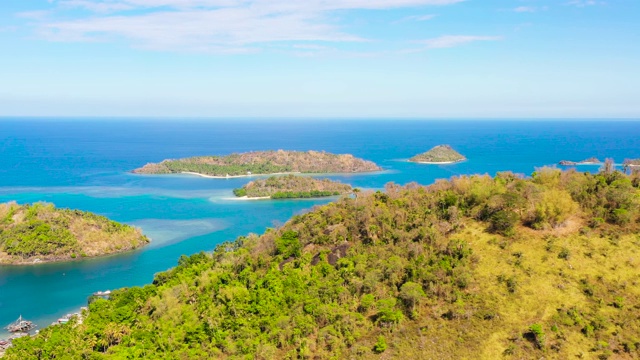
584,3
522,9
211,25
530,9
449,41
417,18
276,5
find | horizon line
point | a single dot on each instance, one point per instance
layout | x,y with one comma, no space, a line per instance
325,118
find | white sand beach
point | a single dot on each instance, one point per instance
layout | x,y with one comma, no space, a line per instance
233,176
246,198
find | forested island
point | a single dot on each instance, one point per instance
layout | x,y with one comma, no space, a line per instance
39,233
589,161
475,267
292,187
262,163
441,154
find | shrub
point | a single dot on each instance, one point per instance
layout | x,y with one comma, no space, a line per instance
381,345
553,209
537,335
564,254
503,222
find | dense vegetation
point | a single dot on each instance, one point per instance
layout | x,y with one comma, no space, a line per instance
475,267
292,187
40,231
262,162
439,154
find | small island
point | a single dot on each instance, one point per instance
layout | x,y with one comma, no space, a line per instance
291,187
631,162
589,161
41,233
441,154
261,163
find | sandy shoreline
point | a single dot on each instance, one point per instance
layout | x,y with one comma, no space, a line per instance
583,163
436,162
6,260
233,176
246,198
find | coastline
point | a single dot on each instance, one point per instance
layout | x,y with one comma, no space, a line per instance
232,176
246,198
40,261
582,163
436,162
373,172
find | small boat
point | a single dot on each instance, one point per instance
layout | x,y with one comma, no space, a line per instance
20,326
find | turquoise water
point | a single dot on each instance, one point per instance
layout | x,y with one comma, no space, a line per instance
85,164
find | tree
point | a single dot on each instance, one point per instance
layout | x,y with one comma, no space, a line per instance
608,167
411,293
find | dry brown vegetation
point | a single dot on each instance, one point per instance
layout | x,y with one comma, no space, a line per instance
471,268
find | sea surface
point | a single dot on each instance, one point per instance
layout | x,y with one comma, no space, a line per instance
86,163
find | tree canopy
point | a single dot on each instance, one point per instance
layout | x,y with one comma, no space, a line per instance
473,267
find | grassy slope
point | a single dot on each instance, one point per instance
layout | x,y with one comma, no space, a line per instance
40,231
413,273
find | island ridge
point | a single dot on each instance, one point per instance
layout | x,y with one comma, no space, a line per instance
589,161
441,154
262,163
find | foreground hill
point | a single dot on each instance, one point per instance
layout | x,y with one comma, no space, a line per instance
292,187
262,162
41,233
474,268
441,154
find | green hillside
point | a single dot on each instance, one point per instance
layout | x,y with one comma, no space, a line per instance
36,233
292,187
472,268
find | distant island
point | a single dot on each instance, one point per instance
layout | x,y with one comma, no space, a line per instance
589,161
631,162
441,154
39,233
291,187
261,163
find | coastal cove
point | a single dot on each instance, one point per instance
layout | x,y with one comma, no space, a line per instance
85,166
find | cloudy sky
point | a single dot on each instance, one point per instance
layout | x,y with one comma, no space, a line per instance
320,58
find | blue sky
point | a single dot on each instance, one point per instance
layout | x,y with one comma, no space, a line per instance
320,58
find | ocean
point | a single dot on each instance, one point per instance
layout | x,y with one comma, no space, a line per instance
86,163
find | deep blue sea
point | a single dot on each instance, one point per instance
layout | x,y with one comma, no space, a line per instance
85,164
